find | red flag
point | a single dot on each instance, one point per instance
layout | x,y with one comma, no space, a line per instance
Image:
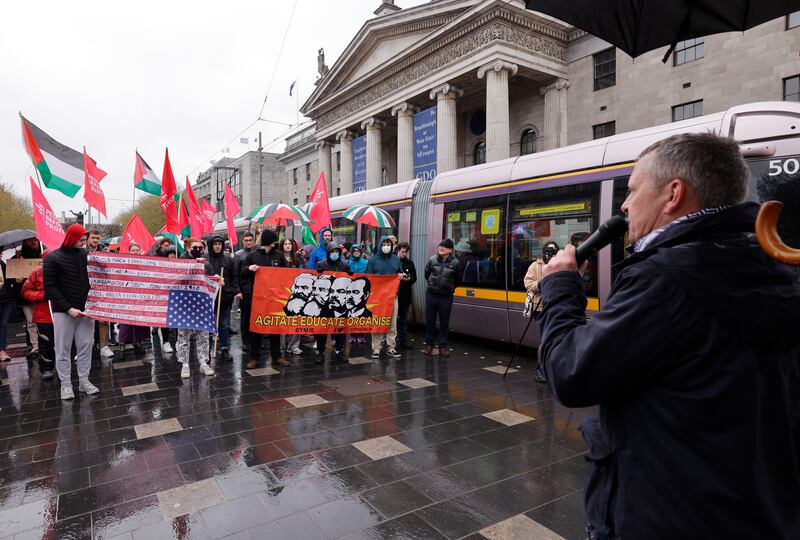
168,191
208,216
92,191
320,211
48,228
136,233
231,209
196,218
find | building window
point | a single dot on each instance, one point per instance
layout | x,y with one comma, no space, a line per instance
605,69
338,161
527,143
793,20
604,130
479,154
791,88
687,51
308,172
294,201
687,110
294,176
338,191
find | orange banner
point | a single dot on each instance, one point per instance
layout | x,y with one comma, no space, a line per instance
292,301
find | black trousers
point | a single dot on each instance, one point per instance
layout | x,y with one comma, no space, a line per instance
244,326
255,346
322,341
47,351
437,305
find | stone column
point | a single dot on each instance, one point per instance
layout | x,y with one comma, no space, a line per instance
555,114
497,123
324,149
373,126
446,126
346,151
405,140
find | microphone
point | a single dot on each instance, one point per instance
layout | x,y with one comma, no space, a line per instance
604,235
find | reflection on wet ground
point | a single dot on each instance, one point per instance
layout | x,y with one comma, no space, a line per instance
410,448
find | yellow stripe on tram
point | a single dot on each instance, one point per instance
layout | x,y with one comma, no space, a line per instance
593,303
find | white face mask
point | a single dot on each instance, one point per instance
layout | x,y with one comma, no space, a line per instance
386,249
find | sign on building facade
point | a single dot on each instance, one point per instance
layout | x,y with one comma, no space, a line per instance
360,163
424,145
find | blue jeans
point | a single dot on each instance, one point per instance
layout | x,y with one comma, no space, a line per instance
5,314
437,305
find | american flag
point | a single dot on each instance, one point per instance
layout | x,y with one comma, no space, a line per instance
150,291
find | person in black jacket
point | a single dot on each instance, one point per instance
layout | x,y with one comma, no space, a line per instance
66,285
266,256
694,359
7,296
407,280
248,243
441,274
216,261
334,262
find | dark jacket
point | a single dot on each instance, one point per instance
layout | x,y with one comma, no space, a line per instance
442,275
383,264
259,257
404,292
66,281
8,290
695,362
215,262
331,266
238,259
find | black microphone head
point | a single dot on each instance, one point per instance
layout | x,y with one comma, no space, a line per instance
604,235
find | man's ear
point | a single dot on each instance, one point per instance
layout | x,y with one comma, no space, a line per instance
677,196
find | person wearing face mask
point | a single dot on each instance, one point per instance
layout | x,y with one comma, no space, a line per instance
267,256
129,334
386,263
334,262
217,261
66,285
320,253
290,343
532,278
442,273
358,265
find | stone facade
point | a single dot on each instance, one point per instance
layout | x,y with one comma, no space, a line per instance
494,70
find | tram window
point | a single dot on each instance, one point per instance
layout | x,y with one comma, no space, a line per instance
371,235
477,228
565,215
344,230
779,179
618,246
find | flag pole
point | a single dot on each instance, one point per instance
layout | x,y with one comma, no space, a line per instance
219,305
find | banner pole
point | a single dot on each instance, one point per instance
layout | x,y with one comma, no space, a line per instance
219,305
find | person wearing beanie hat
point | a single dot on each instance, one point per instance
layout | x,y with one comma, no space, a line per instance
219,263
441,274
66,285
248,245
270,257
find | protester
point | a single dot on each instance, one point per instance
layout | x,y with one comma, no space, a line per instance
248,241
227,249
30,249
66,285
358,265
201,339
321,252
334,262
103,329
346,246
386,263
693,359
130,334
305,254
266,256
531,281
168,250
407,280
7,295
33,292
441,274
219,261
290,343
160,250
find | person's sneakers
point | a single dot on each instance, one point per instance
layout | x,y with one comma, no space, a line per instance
296,350
88,388
376,354
225,354
538,375
281,362
252,364
428,350
341,357
46,375
393,353
185,371
167,347
444,352
67,393
106,352
205,369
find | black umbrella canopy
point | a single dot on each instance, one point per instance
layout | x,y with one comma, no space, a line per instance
639,26
14,238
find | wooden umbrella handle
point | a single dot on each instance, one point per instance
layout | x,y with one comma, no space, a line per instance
767,234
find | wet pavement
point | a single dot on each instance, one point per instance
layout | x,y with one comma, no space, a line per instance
401,449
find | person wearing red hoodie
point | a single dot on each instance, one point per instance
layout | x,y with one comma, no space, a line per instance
33,292
66,285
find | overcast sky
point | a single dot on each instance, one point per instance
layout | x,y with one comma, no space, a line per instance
187,75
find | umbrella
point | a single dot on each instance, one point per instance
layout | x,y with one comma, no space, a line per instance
11,239
645,25
277,213
369,215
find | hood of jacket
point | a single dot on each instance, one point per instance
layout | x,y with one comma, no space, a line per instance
330,249
74,233
379,251
322,242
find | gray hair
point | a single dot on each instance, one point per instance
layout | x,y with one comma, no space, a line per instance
712,165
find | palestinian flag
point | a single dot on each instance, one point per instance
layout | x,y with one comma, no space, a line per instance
183,220
177,239
59,166
144,178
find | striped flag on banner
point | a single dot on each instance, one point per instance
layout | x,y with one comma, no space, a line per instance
150,291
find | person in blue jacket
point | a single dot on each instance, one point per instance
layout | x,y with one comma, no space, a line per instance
358,264
321,253
385,262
